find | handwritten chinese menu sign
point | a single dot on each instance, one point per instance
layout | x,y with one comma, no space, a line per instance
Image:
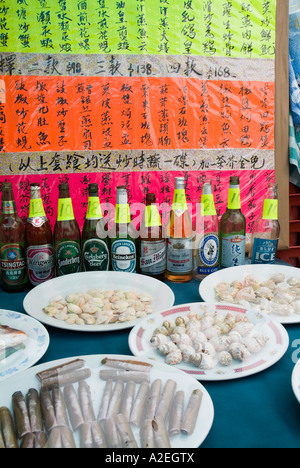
136,92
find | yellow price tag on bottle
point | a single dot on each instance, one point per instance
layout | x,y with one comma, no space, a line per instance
270,210
179,200
208,205
94,209
65,210
36,208
234,199
122,215
152,217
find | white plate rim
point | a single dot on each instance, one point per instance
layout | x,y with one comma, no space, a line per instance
296,380
35,331
207,284
90,361
241,369
44,318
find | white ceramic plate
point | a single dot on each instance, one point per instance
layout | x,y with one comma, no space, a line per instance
205,418
262,272
140,335
40,296
35,345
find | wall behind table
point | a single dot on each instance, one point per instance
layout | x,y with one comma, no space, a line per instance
138,92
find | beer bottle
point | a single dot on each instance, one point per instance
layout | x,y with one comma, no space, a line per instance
152,241
123,236
95,250
206,240
13,272
264,241
233,229
179,233
67,238
39,240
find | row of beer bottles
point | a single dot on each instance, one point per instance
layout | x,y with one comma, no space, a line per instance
177,253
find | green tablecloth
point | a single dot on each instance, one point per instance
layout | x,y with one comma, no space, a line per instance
256,411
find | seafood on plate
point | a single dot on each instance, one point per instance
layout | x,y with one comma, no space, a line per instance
131,412
278,294
207,338
11,341
100,307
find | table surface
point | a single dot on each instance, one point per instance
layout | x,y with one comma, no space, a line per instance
259,411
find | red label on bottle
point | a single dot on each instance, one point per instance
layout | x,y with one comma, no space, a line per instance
40,262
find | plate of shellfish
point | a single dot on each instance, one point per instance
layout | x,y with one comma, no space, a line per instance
211,341
103,401
272,289
97,301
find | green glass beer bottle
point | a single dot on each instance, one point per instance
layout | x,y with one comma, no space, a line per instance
95,250
67,238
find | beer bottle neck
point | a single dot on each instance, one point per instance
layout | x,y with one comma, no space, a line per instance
8,206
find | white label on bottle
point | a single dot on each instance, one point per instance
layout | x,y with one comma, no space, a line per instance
123,255
179,255
153,257
233,250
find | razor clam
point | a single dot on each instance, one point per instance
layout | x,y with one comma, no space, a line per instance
128,399
139,404
111,433
127,364
191,414
54,439
67,438
125,376
125,432
153,399
62,369
105,400
85,399
116,398
48,410
34,410
73,406
176,413
20,414
166,399
65,379
59,408
147,434
28,441
8,430
98,435
86,436
161,436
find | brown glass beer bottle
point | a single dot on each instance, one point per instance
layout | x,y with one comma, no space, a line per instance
39,241
67,238
13,272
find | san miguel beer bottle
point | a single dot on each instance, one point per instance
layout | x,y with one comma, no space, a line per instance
13,272
152,241
179,233
67,238
123,236
95,250
233,229
266,231
39,241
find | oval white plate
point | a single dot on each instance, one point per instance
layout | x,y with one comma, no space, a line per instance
28,380
40,296
296,380
35,346
140,335
262,272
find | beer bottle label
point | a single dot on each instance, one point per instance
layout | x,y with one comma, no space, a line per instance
152,217
94,208
122,215
270,209
233,250
8,207
123,255
234,199
95,255
65,210
68,256
179,255
40,263
208,205
264,251
12,264
208,253
153,257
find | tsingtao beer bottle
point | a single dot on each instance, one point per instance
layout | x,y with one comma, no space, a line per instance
95,249
39,241
233,229
123,236
67,238
179,233
13,272
152,241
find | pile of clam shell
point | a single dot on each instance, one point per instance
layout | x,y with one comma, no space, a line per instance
99,306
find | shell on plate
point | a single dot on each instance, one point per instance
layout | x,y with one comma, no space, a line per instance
239,351
225,358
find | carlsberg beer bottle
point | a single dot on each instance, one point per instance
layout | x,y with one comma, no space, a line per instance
67,238
266,231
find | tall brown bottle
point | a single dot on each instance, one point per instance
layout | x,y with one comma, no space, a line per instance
13,272
67,238
39,241
152,241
